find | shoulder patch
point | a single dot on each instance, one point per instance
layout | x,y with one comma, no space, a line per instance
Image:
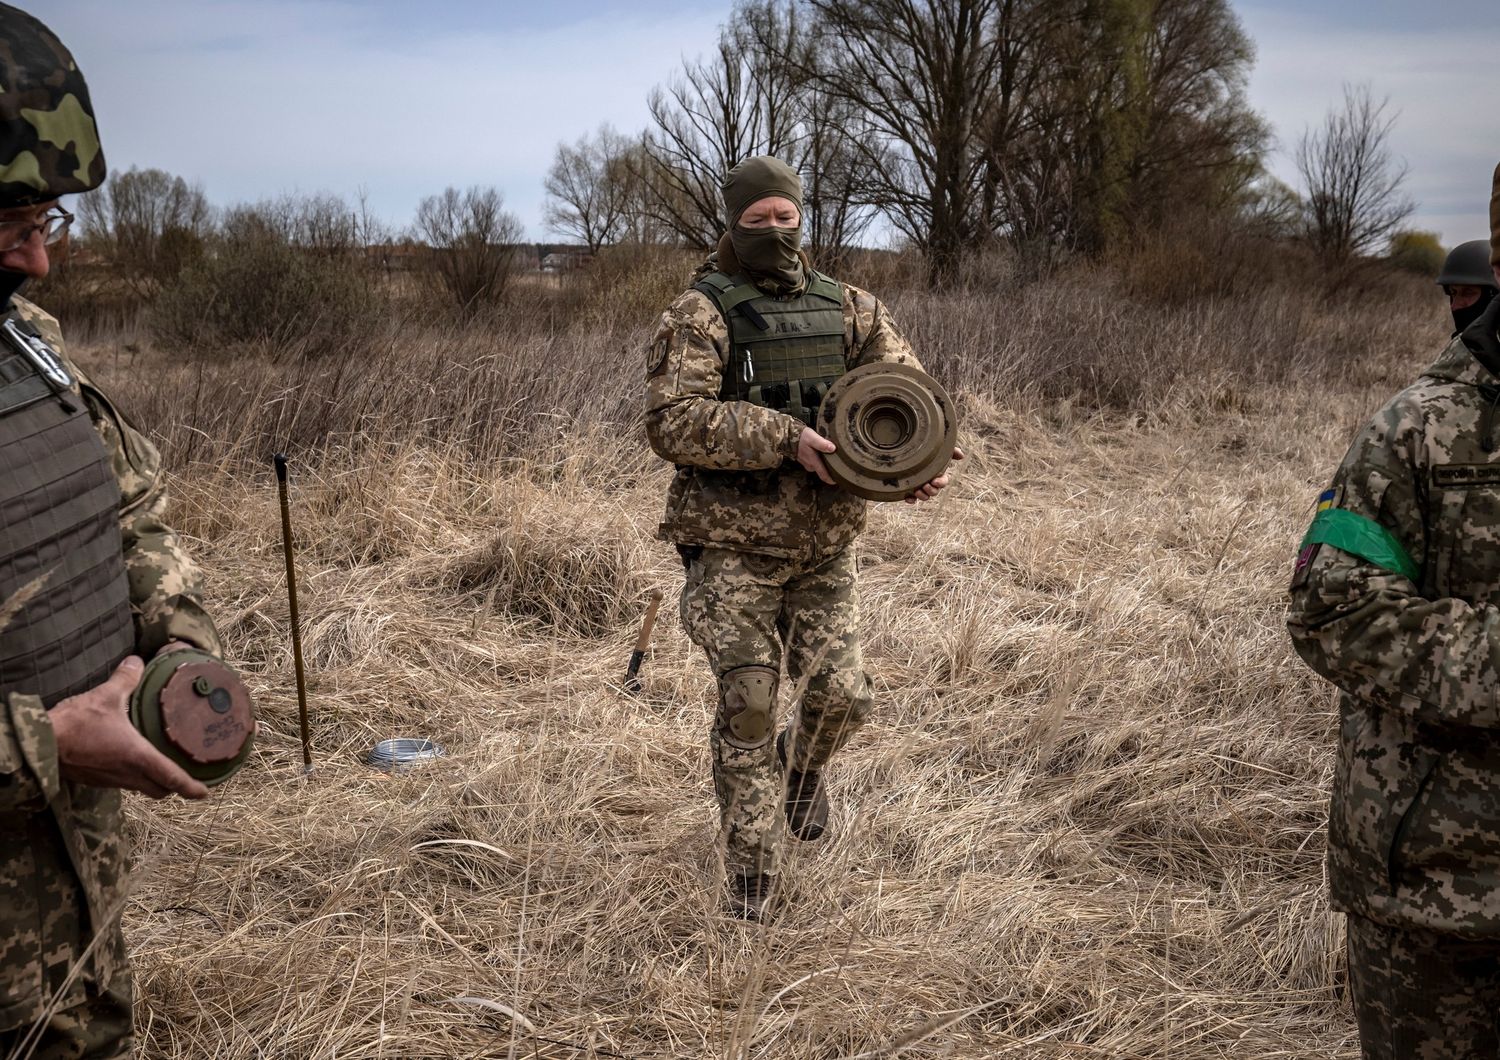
656,355
1302,569
1308,551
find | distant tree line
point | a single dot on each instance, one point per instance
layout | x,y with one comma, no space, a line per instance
1053,126
1050,127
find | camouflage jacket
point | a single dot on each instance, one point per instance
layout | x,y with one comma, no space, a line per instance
1396,600
62,847
789,512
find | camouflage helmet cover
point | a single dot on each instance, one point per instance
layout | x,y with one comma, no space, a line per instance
49,144
1468,263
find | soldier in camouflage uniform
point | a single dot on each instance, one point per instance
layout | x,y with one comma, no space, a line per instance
734,376
1396,599
91,580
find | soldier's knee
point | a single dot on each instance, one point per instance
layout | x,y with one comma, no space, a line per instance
747,705
843,693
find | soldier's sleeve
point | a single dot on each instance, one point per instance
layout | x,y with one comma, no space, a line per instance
166,587
1357,613
686,422
29,776
870,333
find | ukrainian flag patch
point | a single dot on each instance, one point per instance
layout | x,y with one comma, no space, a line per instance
1328,499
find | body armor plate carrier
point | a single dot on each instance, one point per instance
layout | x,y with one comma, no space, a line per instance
784,352
59,533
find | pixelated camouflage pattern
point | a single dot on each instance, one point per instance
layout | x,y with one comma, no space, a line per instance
738,483
1422,995
1414,827
749,609
63,858
49,143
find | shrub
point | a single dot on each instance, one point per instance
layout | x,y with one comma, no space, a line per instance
255,288
1419,252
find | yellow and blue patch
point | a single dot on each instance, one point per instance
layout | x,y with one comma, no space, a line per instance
1302,569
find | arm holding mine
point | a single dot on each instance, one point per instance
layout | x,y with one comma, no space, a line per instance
686,422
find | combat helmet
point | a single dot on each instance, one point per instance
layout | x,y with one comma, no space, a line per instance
1469,264
49,144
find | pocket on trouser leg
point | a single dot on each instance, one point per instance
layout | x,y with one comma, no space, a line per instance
690,608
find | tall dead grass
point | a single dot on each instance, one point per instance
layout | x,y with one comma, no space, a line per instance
1086,819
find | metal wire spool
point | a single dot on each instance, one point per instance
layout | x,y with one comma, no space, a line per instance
197,712
403,752
895,427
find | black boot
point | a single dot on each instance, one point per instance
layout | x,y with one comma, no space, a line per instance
806,801
750,894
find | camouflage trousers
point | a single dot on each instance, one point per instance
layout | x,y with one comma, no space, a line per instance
749,612
98,1028
1421,995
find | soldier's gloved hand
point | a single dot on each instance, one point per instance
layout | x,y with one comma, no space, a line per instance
97,745
929,491
810,447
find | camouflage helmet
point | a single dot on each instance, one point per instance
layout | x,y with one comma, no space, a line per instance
49,145
1468,263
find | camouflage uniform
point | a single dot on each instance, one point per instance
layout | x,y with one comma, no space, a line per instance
1396,599
64,859
73,605
770,570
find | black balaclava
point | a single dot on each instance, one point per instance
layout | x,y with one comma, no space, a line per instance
767,253
1462,318
10,285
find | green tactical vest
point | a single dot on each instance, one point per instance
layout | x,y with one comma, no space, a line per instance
784,353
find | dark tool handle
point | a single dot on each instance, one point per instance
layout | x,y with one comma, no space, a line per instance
642,642
291,595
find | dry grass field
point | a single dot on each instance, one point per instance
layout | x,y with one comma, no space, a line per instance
1086,820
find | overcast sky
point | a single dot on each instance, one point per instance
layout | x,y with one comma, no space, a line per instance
258,97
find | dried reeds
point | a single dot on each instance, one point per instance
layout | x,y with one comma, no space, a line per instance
1086,820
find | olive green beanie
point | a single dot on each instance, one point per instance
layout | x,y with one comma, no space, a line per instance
759,178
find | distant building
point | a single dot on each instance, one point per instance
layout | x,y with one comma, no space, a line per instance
566,260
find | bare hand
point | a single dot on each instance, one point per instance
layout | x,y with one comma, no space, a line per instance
97,745
929,491
810,449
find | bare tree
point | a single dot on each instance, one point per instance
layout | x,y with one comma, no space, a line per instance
1354,200
743,101
149,223
921,74
474,241
590,189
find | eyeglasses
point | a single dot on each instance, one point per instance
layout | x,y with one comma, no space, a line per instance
53,225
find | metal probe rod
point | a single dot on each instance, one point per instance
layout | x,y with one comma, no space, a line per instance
642,642
291,594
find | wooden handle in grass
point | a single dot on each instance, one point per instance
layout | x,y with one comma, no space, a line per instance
642,642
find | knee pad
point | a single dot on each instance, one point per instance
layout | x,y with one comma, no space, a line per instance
747,705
